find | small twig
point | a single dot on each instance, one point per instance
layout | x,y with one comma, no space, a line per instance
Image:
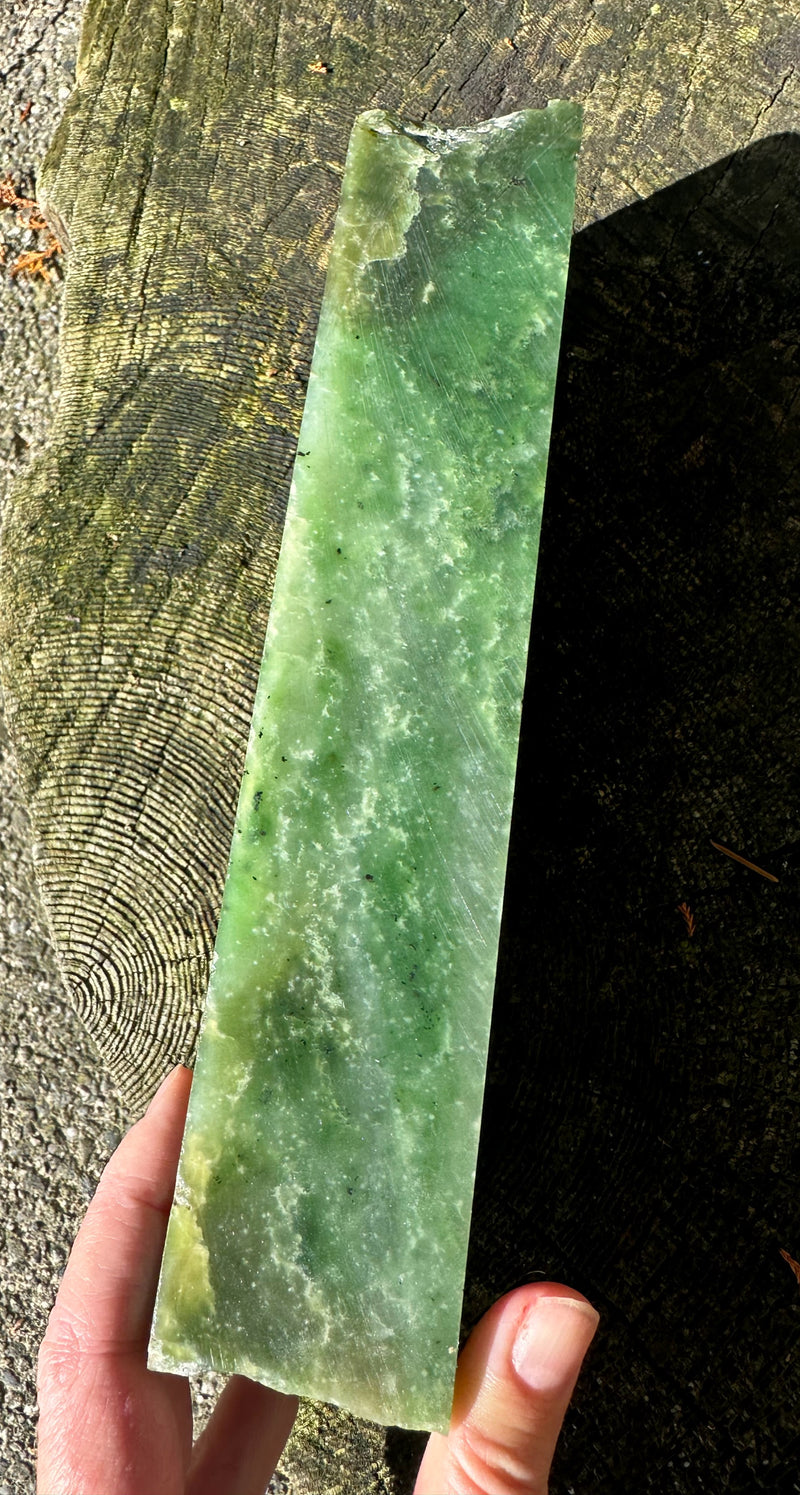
10,198
688,918
790,1261
734,855
32,261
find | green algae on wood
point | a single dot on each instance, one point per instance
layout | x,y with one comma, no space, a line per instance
318,1237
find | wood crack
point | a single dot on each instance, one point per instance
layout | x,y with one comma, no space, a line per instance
770,102
448,36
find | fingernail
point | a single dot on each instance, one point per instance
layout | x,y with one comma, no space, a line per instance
552,1341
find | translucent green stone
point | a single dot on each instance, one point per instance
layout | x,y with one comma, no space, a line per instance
319,1233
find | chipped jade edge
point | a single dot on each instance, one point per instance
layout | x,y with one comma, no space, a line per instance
318,1237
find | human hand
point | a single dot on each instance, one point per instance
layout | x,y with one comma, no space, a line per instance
110,1426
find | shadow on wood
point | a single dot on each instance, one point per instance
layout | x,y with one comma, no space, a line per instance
640,1136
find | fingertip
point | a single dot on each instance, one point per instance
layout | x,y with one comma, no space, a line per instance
489,1351
177,1082
150,1149
515,1377
110,1280
170,1101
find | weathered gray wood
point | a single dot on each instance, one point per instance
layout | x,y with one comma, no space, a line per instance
197,173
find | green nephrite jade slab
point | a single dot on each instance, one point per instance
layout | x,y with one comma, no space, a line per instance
319,1232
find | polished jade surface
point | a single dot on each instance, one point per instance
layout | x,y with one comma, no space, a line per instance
319,1232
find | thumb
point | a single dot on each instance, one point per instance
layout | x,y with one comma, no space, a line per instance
515,1377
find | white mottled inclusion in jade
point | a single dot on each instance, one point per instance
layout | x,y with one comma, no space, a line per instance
319,1232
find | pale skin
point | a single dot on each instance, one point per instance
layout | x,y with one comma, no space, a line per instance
110,1426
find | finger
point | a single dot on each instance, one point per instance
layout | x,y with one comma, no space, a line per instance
515,1377
238,1451
106,1422
105,1301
